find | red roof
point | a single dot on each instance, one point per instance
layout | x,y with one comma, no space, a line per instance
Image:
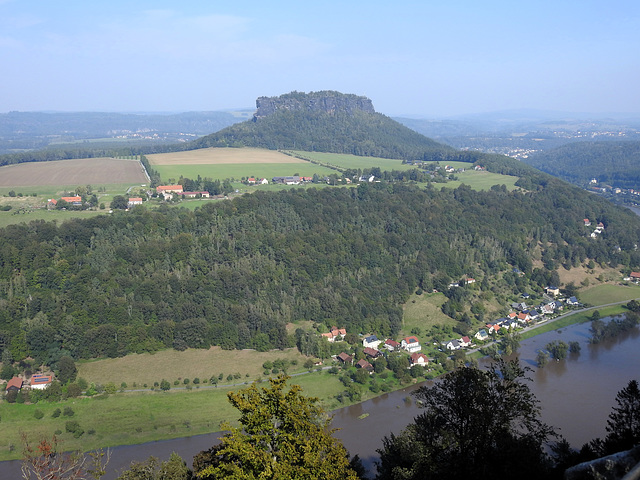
40,379
364,364
416,356
372,352
345,357
15,382
391,343
411,340
71,199
635,274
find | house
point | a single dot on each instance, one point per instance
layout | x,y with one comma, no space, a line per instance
263,181
547,309
76,201
40,382
552,290
371,352
251,180
14,384
335,335
635,276
134,201
587,222
364,364
453,345
482,335
195,194
601,225
411,344
572,301
464,341
52,203
523,317
492,327
345,358
533,314
371,341
469,281
419,359
391,345
162,189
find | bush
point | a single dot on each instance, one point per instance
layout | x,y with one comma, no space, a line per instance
72,426
38,413
56,413
68,412
196,380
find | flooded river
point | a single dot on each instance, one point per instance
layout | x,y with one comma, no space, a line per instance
576,396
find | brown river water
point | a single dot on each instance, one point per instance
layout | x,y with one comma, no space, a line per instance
576,396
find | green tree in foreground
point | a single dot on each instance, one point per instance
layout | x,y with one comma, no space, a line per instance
623,426
476,424
173,469
284,435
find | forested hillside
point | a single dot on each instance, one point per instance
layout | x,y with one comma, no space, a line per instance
234,273
612,163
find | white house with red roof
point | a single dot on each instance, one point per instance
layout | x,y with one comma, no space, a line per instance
411,344
419,359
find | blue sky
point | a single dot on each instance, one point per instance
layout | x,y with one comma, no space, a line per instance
429,58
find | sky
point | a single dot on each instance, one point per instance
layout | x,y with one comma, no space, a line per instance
430,58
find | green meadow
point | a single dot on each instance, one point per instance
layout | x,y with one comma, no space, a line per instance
240,170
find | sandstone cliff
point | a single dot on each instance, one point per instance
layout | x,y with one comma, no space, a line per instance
326,101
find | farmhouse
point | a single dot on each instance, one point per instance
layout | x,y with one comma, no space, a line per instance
76,201
162,189
195,194
134,201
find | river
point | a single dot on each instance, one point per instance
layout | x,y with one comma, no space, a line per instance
576,396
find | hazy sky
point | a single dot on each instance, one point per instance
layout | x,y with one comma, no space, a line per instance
426,57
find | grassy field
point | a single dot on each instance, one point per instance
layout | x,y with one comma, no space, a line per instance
133,418
222,156
353,161
423,312
172,365
258,170
67,174
482,180
609,293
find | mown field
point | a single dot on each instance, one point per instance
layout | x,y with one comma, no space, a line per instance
68,174
132,418
609,293
173,365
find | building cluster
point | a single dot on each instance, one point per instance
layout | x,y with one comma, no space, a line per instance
373,349
36,382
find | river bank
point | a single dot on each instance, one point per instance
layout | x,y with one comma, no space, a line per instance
563,388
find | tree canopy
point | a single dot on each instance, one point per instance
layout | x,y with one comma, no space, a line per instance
284,435
476,424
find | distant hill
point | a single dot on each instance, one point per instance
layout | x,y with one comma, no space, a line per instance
325,121
613,163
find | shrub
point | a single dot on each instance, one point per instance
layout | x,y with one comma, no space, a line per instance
72,426
68,412
38,413
196,380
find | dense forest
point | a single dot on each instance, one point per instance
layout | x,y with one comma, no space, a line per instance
358,133
610,163
235,273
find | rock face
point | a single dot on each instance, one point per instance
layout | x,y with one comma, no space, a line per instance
326,101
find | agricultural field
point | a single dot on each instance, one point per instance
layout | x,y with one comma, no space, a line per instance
352,161
236,163
173,365
68,174
609,293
